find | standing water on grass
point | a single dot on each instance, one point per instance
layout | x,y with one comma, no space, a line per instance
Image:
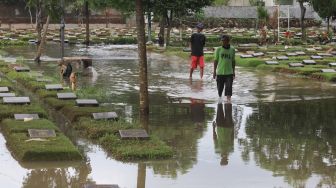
279,131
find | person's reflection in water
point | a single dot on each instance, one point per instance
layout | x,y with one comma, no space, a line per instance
224,135
197,109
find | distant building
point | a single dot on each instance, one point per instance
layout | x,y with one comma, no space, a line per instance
247,2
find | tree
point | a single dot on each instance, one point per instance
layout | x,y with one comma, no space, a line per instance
303,12
140,23
326,9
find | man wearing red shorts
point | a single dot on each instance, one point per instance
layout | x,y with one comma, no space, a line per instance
197,42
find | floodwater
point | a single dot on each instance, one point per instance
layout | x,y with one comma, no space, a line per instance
279,131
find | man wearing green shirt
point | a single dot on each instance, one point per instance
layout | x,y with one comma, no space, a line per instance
224,68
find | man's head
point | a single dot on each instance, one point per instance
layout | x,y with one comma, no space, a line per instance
225,39
199,27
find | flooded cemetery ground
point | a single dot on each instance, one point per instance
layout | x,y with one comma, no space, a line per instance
279,131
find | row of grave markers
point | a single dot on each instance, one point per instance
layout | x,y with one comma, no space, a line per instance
9,98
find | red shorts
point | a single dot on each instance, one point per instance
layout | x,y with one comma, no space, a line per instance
197,60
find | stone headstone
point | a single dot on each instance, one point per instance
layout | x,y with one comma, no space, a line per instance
300,53
291,54
318,48
186,49
23,116
258,54
7,95
324,54
133,134
282,58
43,80
16,100
316,57
41,133
328,70
309,62
4,89
105,115
333,52
296,65
271,63
332,64
87,102
21,69
246,56
65,96
311,49
54,87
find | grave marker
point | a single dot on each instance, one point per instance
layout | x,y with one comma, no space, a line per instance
316,57
271,63
258,54
87,102
16,100
101,186
328,70
105,115
324,54
291,54
282,58
133,134
7,95
65,96
4,89
43,80
309,62
332,64
246,56
54,87
41,133
23,116
300,53
21,69
296,65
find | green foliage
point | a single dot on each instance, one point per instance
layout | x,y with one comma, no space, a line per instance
325,8
262,13
284,2
221,2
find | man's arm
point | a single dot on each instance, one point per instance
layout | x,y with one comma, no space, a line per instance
234,65
215,69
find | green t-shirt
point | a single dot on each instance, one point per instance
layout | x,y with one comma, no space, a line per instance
225,58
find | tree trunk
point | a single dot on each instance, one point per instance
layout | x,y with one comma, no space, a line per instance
106,18
162,29
149,25
303,12
39,22
169,21
43,41
87,23
141,180
140,23
328,24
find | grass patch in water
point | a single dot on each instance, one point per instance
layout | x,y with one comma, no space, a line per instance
153,148
75,112
59,148
58,104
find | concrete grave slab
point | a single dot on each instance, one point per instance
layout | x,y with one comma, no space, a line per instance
296,65
41,133
16,100
23,116
101,186
186,49
43,80
316,57
4,89
54,87
309,62
324,54
332,64
311,49
328,70
258,54
271,63
7,95
300,53
87,102
21,69
133,134
291,54
246,56
282,58
105,115
65,96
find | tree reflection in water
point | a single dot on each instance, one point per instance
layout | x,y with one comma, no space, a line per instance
295,140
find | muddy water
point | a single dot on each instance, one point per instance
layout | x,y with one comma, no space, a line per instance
279,131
